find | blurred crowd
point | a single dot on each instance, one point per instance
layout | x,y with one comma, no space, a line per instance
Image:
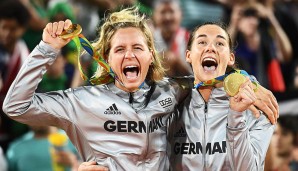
264,33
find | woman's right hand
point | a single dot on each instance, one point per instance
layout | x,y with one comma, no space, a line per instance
244,98
52,31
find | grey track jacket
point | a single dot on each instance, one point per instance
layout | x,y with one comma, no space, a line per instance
127,131
124,131
211,137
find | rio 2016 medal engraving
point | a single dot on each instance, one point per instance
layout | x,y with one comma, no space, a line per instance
72,31
233,82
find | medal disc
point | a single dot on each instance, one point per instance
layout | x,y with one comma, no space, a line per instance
72,31
233,82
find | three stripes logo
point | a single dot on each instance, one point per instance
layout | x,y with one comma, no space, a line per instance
180,133
112,110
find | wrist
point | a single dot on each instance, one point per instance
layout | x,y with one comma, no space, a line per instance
235,119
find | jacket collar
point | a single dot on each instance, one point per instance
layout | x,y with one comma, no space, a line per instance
217,95
137,99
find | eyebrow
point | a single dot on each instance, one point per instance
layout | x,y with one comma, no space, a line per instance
218,36
121,45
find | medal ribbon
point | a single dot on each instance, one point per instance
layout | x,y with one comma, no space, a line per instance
220,79
81,41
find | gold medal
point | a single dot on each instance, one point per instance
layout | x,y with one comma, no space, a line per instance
72,31
233,82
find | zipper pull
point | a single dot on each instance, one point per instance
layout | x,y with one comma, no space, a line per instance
130,98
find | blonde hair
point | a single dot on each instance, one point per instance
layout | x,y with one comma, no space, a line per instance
127,18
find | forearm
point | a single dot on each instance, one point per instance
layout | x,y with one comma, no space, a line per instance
36,22
238,143
282,39
247,145
22,90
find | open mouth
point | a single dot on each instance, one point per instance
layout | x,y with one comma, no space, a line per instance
131,71
209,64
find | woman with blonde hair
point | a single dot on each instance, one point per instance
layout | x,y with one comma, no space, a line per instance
120,124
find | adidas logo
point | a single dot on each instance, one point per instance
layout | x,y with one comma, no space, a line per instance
112,110
180,133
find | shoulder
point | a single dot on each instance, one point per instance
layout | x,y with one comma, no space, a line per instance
185,82
87,89
180,87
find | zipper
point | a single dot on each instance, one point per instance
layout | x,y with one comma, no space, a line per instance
205,128
146,149
204,132
130,99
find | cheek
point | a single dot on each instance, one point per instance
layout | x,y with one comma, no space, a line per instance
113,62
146,63
19,32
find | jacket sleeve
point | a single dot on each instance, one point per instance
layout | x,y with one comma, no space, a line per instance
248,140
24,105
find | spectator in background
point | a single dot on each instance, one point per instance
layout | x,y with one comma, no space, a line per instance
56,77
282,154
260,39
14,19
61,11
33,152
286,18
37,22
86,13
170,38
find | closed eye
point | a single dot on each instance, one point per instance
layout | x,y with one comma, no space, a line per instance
119,50
138,48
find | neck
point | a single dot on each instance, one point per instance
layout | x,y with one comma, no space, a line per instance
9,48
205,92
283,163
122,87
167,36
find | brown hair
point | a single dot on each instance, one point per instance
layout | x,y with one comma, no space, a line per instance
222,26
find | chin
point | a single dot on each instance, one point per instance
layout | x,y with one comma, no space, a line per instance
131,87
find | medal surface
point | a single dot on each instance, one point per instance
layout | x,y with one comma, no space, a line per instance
72,31
233,82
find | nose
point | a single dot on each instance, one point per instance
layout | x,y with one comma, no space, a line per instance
168,16
129,54
210,48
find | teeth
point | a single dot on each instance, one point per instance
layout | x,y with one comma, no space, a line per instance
209,59
131,66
